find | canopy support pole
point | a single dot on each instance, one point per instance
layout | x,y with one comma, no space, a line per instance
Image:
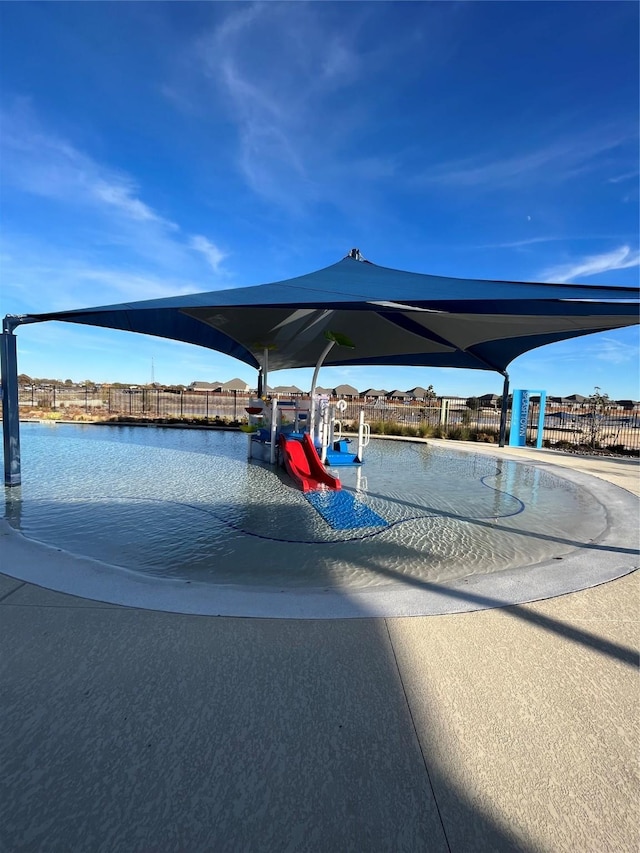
10,411
259,382
312,412
265,370
503,410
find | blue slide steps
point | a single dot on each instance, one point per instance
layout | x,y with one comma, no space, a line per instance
339,454
338,458
342,511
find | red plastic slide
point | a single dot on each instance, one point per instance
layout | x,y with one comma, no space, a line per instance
304,466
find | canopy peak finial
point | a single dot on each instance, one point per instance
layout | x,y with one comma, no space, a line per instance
357,255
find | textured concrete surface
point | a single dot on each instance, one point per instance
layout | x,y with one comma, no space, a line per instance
512,729
534,719
129,730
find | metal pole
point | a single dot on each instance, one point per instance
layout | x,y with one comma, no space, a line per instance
503,410
274,430
10,410
360,435
312,413
324,434
265,371
543,402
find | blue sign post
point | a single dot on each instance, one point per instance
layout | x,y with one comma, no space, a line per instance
520,418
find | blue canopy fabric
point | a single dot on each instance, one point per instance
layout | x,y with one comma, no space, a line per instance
391,317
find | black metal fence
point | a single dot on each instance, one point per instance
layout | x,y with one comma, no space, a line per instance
139,402
448,417
614,429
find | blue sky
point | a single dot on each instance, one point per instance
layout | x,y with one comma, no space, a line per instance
152,149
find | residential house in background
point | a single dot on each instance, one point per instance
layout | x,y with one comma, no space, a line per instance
374,394
346,391
238,385
489,401
287,391
417,393
204,386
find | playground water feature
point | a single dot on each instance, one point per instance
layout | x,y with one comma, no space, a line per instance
186,504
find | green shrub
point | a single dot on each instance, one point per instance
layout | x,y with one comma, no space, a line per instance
378,428
458,433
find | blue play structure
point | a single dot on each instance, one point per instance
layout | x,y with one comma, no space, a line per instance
268,421
307,441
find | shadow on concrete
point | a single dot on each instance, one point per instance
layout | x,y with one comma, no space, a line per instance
624,654
133,730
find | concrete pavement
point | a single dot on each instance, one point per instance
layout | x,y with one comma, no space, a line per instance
509,729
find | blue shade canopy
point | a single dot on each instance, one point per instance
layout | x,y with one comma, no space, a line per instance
392,317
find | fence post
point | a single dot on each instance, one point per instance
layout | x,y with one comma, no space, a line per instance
503,410
181,401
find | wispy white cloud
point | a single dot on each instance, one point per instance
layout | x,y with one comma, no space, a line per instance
39,278
618,259
532,241
41,163
211,252
529,241
558,160
37,161
626,176
288,152
120,194
615,351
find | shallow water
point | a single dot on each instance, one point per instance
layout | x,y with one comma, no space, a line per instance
187,504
